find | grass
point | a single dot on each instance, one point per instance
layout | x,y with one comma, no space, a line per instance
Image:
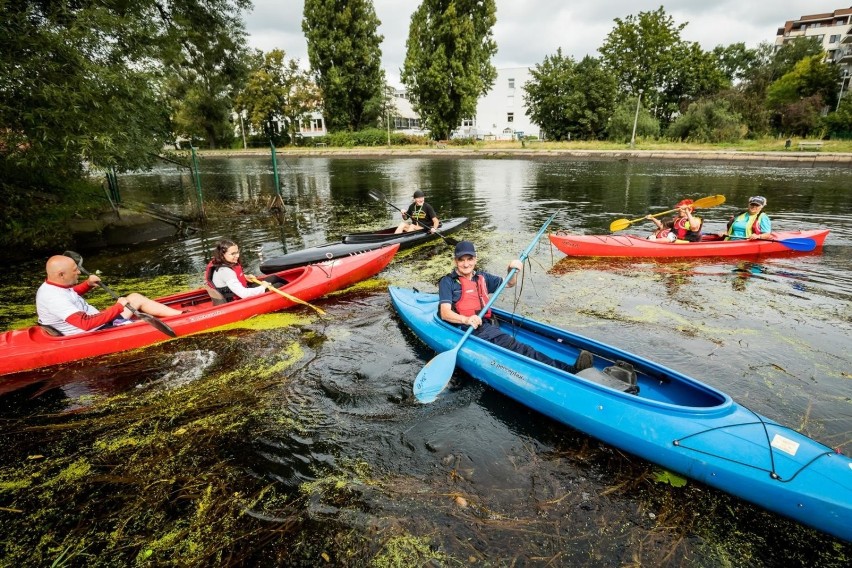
642,145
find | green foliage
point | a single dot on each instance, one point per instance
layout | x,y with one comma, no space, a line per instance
448,60
620,127
750,106
809,76
799,118
568,99
839,124
278,89
345,55
666,476
369,137
785,59
646,54
736,61
708,121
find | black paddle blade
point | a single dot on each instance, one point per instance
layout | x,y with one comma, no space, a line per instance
160,325
75,257
376,195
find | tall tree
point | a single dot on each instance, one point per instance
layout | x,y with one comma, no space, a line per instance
83,80
647,54
278,89
345,54
570,100
736,60
205,60
448,60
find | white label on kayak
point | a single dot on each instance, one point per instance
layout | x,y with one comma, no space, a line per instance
785,444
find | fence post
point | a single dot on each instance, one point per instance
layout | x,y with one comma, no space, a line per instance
198,194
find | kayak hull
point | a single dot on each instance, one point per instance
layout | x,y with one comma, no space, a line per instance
674,421
358,242
32,348
639,247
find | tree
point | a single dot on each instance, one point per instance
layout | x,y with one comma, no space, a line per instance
84,80
568,99
735,61
448,60
620,127
708,121
205,61
839,123
647,54
810,76
345,55
278,89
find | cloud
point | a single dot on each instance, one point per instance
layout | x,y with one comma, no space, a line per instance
529,30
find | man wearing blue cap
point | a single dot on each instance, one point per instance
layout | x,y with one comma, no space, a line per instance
421,216
464,292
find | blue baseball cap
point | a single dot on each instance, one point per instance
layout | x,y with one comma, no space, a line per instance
465,248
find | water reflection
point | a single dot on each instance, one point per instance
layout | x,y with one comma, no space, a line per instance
772,332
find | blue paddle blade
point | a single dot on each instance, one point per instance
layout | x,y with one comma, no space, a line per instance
804,245
434,377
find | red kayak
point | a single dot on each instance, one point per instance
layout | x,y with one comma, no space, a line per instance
640,247
32,347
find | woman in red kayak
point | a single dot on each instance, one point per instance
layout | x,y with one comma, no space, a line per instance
225,274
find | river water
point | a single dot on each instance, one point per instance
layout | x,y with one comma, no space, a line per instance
475,477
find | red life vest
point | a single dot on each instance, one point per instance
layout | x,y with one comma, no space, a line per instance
683,232
225,291
474,296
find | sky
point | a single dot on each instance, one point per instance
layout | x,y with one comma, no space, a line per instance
527,31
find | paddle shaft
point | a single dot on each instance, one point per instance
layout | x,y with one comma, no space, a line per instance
435,376
285,294
147,318
378,196
803,244
703,203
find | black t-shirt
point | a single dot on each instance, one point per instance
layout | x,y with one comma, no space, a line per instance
423,214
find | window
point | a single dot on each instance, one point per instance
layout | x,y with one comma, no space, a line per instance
834,38
467,122
511,83
510,117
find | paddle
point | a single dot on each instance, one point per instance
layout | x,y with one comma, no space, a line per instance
703,203
433,378
147,318
290,297
803,245
379,196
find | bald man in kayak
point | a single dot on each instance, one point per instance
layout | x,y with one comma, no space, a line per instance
60,303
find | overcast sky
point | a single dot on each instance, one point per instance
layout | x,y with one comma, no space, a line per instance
529,30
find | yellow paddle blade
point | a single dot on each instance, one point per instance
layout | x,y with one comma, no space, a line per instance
620,224
286,295
709,201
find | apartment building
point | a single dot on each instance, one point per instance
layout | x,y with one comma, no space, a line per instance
833,29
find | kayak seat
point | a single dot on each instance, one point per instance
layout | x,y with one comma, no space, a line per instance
50,330
216,296
621,376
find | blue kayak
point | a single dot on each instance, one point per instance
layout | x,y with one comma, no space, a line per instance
654,412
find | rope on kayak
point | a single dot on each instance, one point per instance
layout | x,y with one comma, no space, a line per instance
772,473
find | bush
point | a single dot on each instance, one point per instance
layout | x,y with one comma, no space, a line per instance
368,137
620,126
708,121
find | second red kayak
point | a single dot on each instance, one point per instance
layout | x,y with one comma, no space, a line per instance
639,247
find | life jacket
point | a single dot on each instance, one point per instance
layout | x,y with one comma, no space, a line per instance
683,232
474,295
751,229
224,290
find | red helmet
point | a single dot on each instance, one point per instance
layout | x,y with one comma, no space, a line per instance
683,202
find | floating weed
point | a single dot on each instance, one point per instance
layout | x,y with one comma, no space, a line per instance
407,550
665,476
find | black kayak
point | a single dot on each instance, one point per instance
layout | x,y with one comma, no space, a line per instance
358,242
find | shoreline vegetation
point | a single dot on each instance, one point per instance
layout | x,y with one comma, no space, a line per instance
831,152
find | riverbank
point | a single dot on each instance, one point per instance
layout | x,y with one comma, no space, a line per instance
551,151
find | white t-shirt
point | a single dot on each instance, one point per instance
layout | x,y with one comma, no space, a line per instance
55,303
224,277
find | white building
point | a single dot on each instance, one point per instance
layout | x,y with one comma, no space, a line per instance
502,114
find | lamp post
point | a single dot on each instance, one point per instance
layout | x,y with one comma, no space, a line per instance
636,119
243,128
